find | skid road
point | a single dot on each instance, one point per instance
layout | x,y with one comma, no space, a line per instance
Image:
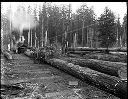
43,81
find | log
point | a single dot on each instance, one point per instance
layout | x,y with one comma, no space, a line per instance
97,49
107,57
86,52
7,55
117,69
105,82
10,90
111,68
100,56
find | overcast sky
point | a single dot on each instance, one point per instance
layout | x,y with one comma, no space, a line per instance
119,8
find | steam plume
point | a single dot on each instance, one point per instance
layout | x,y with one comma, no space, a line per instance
20,19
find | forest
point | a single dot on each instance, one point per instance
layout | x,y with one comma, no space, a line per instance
59,25
90,48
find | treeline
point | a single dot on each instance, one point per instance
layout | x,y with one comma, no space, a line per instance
64,27
77,29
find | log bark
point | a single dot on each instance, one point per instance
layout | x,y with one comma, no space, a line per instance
7,55
107,67
97,49
100,56
108,83
10,90
107,57
105,82
117,69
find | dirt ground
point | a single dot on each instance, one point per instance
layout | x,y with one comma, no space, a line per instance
41,81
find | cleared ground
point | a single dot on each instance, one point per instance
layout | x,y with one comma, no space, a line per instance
42,81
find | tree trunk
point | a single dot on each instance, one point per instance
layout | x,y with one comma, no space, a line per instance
107,57
111,68
97,49
7,55
105,82
100,56
111,84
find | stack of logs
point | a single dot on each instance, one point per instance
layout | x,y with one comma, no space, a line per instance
106,75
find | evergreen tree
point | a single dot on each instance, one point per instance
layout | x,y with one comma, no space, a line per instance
5,30
118,33
42,27
34,37
107,34
124,36
86,17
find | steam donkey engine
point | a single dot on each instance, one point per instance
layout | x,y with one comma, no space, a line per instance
19,46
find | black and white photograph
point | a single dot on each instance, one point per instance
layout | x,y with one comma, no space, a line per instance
63,50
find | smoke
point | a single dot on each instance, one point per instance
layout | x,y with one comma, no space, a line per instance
21,20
